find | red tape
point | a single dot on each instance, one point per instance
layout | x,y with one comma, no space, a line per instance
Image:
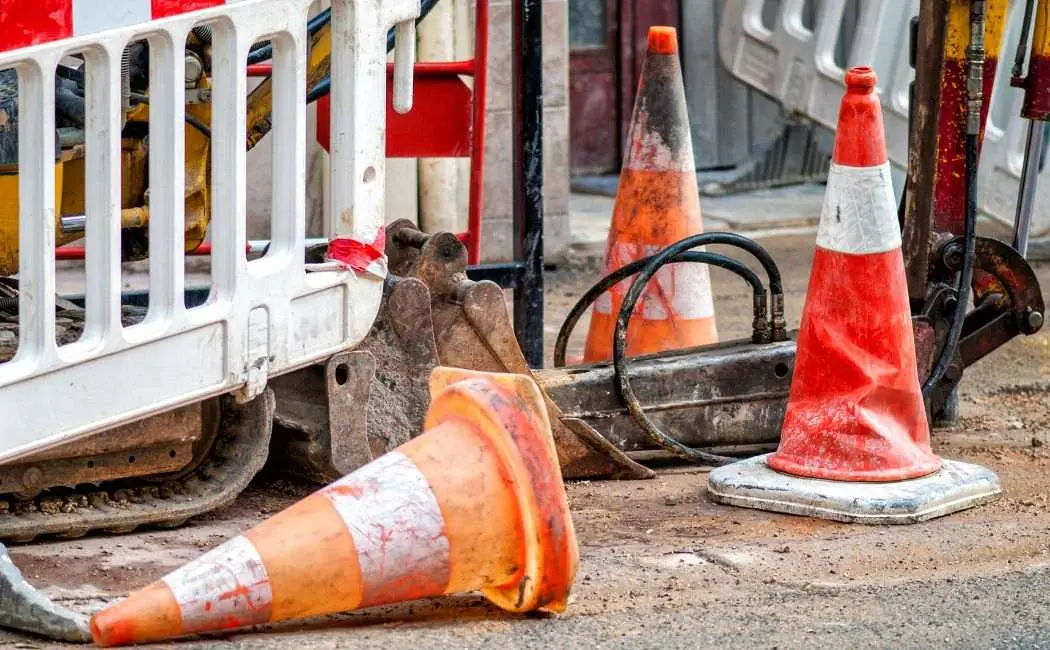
361,256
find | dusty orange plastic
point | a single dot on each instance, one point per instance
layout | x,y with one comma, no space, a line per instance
657,204
474,503
663,40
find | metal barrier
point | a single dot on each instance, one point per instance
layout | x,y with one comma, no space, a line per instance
262,318
796,66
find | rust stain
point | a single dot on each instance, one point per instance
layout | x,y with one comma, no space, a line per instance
346,218
239,590
354,491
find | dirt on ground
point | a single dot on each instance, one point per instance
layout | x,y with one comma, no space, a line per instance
663,566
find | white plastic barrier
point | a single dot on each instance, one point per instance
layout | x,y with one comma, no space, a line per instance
796,66
263,318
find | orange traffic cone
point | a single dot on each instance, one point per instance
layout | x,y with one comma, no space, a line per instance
657,204
855,414
475,503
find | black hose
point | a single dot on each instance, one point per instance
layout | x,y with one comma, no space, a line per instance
192,120
264,52
963,292
196,123
324,86
1022,42
70,104
75,75
776,286
623,384
626,271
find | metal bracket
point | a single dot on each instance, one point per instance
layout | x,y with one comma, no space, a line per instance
348,377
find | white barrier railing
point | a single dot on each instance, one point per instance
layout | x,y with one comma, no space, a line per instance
262,318
797,67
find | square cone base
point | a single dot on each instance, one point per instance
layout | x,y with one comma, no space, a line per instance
956,486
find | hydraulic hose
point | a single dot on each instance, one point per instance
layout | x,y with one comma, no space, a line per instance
264,51
628,270
324,86
776,326
69,104
1022,42
652,265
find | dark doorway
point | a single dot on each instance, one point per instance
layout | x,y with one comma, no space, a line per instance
607,44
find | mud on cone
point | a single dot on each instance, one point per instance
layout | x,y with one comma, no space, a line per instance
657,204
855,443
475,503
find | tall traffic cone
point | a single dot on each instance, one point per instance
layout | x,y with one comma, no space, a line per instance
475,503
657,204
855,443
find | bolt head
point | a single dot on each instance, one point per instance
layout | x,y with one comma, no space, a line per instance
32,478
194,68
953,256
953,372
1034,320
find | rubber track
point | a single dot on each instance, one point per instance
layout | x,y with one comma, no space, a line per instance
237,455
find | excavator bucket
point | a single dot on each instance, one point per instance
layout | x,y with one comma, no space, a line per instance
432,315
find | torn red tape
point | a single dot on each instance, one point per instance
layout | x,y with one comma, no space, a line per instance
361,256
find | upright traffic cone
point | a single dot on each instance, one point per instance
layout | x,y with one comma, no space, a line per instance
475,503
657,204
855,443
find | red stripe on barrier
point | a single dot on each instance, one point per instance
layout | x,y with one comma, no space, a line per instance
29,22
165,8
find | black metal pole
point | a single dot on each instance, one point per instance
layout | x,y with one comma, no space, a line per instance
527,58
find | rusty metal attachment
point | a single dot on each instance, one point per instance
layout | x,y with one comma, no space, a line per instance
1008,302
433,315
320,428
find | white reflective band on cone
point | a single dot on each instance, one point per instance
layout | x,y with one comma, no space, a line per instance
228,582
397,527
859,215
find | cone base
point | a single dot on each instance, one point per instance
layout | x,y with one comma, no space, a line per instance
956,486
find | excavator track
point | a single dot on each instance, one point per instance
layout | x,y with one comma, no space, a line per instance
214,478
236,456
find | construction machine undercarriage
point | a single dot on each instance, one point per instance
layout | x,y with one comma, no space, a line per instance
159,471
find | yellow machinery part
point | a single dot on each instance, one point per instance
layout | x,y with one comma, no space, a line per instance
9,215
69,195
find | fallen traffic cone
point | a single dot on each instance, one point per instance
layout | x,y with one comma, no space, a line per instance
657,204
474,503
855,443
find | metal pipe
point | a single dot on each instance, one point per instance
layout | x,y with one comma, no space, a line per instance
411,237
438,177
1029,177
252,246
74,223
527,88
